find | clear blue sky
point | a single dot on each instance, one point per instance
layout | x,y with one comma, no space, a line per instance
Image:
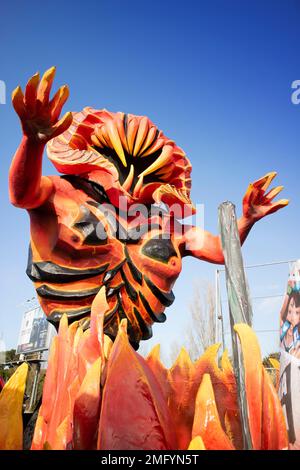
213,75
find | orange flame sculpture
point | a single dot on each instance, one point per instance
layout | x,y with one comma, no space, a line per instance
103,395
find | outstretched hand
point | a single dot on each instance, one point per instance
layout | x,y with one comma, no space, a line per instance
38,114
258,203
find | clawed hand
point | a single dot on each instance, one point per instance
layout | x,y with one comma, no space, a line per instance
38,114
258,203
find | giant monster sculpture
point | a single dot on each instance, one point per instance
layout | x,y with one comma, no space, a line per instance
104,259
85,229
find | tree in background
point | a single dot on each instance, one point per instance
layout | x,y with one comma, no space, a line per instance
272,365
9,357
266,360
201,331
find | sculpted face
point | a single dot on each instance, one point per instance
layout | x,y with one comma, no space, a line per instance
84,239
127,155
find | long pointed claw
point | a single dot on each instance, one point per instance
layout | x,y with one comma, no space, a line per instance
273,193
264,182
62,125
31,93
18,101
58,101
44,88
278,205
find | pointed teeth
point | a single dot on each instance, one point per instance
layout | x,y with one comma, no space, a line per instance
99,132
139,185
116,142
95,140
161,161
141,135
132,129
122,158
149,140
128,182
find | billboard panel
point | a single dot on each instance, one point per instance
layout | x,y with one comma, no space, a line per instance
289,383
36,332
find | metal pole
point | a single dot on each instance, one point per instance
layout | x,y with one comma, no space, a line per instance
216,307
221,317
219,312
239,304
35,385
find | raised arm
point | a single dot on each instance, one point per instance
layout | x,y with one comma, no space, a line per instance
256,205
40,122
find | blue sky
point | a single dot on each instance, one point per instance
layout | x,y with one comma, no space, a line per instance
213,75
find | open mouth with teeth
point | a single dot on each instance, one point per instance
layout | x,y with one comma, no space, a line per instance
131,175
128,155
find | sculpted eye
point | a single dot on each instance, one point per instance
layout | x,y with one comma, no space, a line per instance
159,249
92,229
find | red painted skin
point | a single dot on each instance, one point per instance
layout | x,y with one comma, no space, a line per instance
98,146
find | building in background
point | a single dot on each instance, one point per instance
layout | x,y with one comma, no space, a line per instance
36,334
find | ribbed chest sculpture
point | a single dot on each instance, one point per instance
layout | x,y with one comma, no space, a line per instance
113,216
105,230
